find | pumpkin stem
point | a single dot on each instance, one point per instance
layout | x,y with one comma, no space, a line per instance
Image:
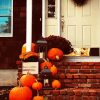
44,59
19,84
37,93
57,57
47,59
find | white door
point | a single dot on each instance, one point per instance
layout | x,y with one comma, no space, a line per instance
81,24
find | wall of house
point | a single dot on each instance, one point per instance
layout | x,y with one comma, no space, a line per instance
10,47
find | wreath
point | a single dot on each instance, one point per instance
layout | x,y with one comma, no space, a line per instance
80,2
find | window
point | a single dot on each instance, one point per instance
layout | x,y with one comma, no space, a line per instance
6,18
51,8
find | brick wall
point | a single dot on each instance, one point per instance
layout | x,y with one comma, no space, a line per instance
10,46
80,81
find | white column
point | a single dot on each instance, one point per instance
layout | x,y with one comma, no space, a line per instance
43,18
28,25
58,17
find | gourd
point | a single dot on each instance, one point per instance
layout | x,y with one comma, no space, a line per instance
53,69
55,54
27,80
38,98
20,93
45,63
56,84
37,85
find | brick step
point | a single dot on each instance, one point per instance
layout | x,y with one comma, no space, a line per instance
78,80
72,94
77,76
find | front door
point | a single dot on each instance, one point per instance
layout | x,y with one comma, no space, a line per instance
81,25
36,20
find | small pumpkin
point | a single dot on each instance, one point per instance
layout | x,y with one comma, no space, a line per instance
33,47
55,54
20,93
45,63
53,69
38,98
27,80
56,84
37,85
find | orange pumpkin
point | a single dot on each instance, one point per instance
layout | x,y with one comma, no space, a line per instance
55,54
38,98
33,47
53,69
27,80
20,93
46,63
37,85
56,84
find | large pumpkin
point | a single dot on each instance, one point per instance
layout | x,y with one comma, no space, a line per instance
33,47
56,84
27,80
38,98
20,93
53,69
37,85
45,63
55,54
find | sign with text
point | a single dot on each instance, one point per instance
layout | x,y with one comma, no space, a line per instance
31,67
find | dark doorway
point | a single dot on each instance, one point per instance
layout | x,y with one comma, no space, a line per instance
37,21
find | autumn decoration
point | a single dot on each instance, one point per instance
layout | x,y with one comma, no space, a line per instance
45,63
37,85
55,54
20,93
56,84
38,98
53,69
27,79
59,42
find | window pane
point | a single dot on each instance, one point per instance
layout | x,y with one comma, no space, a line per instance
51,2
5,3
5,24
51,8
5,12
51,11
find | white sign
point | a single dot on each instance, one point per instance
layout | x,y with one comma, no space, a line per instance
31,67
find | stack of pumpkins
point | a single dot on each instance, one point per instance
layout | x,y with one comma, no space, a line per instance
29,82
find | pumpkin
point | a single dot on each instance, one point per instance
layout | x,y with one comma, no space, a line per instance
38,98
55,54
20,93
45,63
33,47
27,80
53,69
56,84
37,85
